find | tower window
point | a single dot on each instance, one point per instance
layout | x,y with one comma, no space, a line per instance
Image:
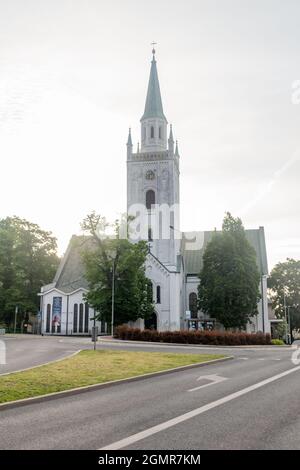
158,294
159,132
150,199
150,239
152,132
144,133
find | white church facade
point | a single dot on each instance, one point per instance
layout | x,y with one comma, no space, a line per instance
175,258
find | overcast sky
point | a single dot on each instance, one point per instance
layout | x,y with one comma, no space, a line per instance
74,77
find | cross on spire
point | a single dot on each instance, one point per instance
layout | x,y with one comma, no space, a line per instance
153,49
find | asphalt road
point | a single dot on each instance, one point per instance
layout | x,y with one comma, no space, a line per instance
250,402
23,351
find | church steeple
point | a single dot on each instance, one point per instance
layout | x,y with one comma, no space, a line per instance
153,105
153,121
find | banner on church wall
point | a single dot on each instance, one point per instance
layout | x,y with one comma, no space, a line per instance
56,311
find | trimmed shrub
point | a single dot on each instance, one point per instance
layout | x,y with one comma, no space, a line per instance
277,342
214,337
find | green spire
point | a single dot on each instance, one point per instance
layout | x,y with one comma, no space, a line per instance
153,106
129,141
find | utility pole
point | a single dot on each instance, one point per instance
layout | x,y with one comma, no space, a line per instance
113,298
15,322
287,318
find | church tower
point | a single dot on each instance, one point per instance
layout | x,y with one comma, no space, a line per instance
153,177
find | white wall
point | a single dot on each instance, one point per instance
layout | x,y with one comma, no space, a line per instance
68,302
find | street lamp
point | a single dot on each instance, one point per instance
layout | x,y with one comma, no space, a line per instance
113,297
285,315
15,322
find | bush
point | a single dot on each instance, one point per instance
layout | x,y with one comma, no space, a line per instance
215,337
277,342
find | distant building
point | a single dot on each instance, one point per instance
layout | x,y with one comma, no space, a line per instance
173,262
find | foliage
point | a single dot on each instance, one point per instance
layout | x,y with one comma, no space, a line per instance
284,281
133,298
280,330
277,342
213,337
28,260
229,280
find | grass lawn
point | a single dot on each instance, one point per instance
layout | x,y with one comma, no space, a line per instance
91,367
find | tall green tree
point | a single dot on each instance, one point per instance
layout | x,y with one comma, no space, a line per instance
284,284
229,280
133,298
28,259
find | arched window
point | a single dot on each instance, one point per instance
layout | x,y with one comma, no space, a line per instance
48,318
75,318
150,198
159,132
152,132
158,294
80,318
86,318
193,307
150,290
150,239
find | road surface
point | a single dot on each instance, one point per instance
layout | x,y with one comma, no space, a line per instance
250,402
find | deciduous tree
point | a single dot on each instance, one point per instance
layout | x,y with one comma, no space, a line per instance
229,280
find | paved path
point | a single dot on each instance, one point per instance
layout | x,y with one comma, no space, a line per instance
251,402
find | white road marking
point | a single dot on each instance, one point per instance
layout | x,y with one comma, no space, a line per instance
243,358
269,359
191,414
213,378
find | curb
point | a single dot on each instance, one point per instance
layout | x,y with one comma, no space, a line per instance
191,345
90,388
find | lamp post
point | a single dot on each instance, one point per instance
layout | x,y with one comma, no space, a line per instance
289,321
113,298
15,322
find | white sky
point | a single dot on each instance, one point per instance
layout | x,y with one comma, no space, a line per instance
73,78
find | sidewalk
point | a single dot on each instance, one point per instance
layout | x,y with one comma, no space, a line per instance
110,339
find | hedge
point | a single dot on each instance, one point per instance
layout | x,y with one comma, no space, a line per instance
213,337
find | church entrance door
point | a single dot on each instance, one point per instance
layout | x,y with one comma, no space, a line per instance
151,322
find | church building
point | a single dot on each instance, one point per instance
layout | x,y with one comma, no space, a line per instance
174,260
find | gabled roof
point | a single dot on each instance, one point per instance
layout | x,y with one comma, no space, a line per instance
153,106
194,244
70,275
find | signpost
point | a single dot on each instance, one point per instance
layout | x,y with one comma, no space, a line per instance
94,335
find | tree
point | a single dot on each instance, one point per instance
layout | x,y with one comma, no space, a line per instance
284,281
28,260
229,279
133,297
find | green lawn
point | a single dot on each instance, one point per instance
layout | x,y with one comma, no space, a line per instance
91,367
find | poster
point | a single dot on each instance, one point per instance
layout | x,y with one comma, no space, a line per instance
56,311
